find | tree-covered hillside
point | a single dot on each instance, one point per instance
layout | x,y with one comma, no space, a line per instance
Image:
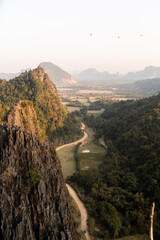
119,195
36,86
150,86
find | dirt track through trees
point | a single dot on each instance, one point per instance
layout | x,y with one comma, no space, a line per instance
74,195
75,143
82,210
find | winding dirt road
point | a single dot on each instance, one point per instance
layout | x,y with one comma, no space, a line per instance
74,195
75,143
82,210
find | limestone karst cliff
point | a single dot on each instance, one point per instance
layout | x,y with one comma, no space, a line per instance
37,87
33,195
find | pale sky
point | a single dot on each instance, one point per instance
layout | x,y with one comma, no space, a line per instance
80,34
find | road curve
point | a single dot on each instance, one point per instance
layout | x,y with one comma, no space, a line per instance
82,210
75,143
72,192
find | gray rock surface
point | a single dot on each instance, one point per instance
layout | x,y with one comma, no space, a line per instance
33,195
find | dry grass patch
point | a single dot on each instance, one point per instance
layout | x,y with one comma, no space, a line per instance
67,158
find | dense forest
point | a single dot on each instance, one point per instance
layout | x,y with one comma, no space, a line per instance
36,87
120,193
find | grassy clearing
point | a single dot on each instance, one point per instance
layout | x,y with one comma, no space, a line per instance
73,109
96,113
67,158
96,154
92,156
93,147
92,159
83,100
86,164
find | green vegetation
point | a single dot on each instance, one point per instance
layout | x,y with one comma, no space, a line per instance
119,194
92,156
76,215
70,131
150,86
92,146
91,225
32,177
47,104
24,104
51,113
98,105
78,162
96,113
74,104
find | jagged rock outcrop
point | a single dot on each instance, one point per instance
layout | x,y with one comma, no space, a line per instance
33,195
23,115
36,87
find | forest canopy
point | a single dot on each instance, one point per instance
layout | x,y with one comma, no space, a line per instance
36,87
120,193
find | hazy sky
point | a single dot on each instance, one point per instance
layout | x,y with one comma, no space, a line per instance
80,34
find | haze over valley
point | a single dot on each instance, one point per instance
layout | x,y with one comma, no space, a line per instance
79,120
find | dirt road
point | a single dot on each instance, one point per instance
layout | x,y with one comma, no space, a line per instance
75,143
82,210
73,194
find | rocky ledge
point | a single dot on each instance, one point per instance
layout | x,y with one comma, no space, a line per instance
33,195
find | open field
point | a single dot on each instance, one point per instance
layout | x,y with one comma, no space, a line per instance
93,147
93,158
86,94
95,112
98,92
94,99
90,159
73,109
91,154
83,100
67,158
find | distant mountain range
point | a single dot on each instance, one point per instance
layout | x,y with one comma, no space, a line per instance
62,78
8,76
92,75
58,76
148,85
148,72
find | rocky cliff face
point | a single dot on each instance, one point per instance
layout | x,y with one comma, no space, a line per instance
33,195
23,115
37,87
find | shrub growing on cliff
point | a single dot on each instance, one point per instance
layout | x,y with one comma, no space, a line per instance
33,177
